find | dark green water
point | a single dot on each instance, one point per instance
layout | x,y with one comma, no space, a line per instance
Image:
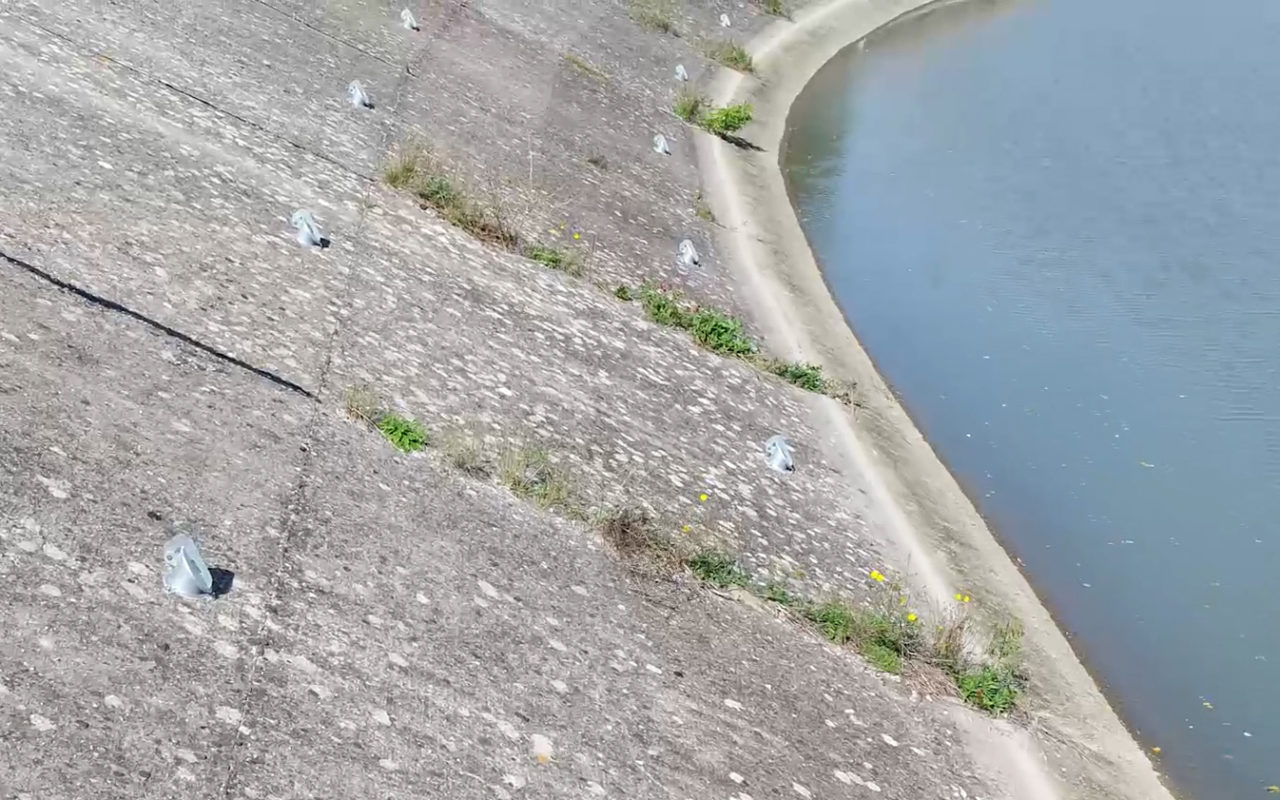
1055,225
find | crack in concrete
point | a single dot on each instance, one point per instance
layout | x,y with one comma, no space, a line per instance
119,308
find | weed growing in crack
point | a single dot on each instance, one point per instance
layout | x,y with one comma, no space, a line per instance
415,170
689,106
406,435
656,15
727,120
566,261
585,67
718,569
465,453
732,55
530,474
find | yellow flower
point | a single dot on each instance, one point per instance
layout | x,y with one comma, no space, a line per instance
911,617
957,595
703,497
966,598
876,576
1156,750
577,236
685,529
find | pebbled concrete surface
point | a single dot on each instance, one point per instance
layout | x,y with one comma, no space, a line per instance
394,628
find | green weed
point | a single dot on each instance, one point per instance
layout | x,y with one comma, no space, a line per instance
404,434
992,688
727,120
718,569
732,55
565,261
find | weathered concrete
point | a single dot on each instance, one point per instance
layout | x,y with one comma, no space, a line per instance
394,628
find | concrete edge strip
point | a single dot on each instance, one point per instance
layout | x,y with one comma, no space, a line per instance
112,305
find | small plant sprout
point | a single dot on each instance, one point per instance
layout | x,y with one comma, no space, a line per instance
308,231
357,96
681,73
687,255
724,21
407,20
660,145
777,452
775,7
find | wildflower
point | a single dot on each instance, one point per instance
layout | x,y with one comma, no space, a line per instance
966,599
577,236
957,595
911,617
877,576
685,529
703,497
1155,750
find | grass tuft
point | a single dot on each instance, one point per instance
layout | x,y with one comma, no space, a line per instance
623,293
585,67
568,262
689,106
713,329
775,7
405,435
598,161
656,15
632,534
732,55
362,404
414,169
529,474
718,569
466,454
884,637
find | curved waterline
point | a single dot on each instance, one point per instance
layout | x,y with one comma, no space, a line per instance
928,522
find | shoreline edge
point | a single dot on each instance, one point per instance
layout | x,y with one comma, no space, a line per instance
1075,745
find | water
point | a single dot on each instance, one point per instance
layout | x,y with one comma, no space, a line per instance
1055,225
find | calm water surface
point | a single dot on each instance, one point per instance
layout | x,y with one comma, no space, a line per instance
1055,225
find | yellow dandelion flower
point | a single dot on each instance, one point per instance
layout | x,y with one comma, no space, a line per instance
703,497
685,529
957,595
966,599
577,236
911,617
876,576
